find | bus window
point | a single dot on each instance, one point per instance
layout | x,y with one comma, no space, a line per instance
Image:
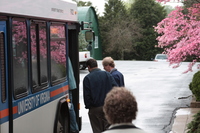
58,53
20,68
2,66
39,56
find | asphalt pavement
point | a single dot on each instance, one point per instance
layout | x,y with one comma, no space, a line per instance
160,90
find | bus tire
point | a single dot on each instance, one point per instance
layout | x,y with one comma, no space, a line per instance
62,120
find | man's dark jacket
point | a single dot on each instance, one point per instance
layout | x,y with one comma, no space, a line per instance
95,87
118,76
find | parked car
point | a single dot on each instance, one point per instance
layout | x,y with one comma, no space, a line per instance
160,57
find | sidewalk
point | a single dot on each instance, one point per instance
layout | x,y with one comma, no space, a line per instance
182,118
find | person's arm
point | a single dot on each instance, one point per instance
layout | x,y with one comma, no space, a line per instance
86,93
122,80
113,81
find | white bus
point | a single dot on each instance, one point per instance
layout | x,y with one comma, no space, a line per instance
36,39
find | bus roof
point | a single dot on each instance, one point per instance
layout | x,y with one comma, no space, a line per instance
51,9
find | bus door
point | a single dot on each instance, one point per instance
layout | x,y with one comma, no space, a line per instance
4,106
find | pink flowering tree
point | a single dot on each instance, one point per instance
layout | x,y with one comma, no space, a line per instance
180,35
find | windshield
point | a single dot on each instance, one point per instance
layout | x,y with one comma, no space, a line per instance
161,57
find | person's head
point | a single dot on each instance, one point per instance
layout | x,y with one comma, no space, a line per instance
91,64
108,63
120,106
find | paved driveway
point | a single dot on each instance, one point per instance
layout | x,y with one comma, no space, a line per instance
159,90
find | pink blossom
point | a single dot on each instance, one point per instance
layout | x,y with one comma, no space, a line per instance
180,36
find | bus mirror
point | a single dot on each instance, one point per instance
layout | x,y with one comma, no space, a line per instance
89,36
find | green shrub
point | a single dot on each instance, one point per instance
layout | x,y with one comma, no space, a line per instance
194,125
195,85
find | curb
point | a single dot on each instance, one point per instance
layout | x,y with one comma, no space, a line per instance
184,116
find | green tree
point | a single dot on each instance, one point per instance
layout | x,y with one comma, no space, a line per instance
82,42
82,3
122,38
148,13
117,30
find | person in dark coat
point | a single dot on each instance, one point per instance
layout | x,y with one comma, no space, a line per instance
109,65
95,87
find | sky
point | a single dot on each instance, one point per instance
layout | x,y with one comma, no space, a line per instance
100,4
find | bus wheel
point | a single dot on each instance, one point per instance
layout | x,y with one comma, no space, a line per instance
63,129
62,123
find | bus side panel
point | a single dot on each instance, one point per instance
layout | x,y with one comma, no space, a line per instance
52,9
41,119
4,110
36,113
